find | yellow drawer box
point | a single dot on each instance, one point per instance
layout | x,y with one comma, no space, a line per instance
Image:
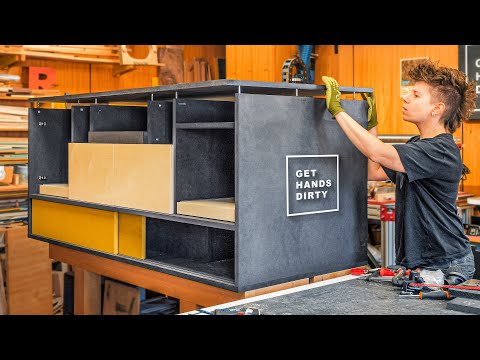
91,228
132,235
137,176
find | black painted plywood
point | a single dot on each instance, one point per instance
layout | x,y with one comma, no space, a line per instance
118,118
203,248
200,89
80,123
159,122
49,135
272,247
201,111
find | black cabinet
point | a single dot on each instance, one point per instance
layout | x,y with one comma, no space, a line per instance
299,184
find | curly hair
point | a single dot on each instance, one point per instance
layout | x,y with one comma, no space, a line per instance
451,87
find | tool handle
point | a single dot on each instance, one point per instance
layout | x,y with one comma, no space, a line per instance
438,295
359,271
477,288
386,272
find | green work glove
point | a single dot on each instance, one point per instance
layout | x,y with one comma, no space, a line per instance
372,111
333,95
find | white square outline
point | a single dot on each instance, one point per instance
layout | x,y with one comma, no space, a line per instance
466,65
286,172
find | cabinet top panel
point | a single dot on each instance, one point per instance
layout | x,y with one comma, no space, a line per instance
204,88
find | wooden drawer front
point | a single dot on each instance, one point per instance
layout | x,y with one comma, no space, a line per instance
131,235
143,176
137,176
91,228
90,173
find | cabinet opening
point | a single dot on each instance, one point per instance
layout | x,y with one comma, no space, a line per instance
197,248
204,164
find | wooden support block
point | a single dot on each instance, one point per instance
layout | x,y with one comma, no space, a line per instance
120,299
186,306
87,292
278,287
91,228
331,275
54,190
132,235
220,209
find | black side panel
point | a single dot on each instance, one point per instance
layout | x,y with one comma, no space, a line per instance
273,247
49,132
118,118
80,123
188,111
159,122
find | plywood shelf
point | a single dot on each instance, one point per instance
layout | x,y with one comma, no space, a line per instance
207,125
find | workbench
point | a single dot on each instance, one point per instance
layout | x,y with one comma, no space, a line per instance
345,295
192,295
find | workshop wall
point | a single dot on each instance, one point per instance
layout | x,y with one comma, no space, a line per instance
257,62
379,67
376,66
77,77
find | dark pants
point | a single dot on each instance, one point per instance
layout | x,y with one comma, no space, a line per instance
464,265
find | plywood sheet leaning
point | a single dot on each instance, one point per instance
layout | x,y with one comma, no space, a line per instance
29,275
54,190
120,299
220,209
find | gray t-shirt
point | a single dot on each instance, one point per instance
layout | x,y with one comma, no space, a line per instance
428,230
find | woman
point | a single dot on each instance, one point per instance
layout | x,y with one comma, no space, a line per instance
426,170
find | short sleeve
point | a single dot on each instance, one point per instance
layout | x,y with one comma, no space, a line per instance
421,159
392,174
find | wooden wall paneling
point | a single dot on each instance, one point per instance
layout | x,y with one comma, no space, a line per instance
337,65
72,77
257,62
141,76
378,66
210,52
471,156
